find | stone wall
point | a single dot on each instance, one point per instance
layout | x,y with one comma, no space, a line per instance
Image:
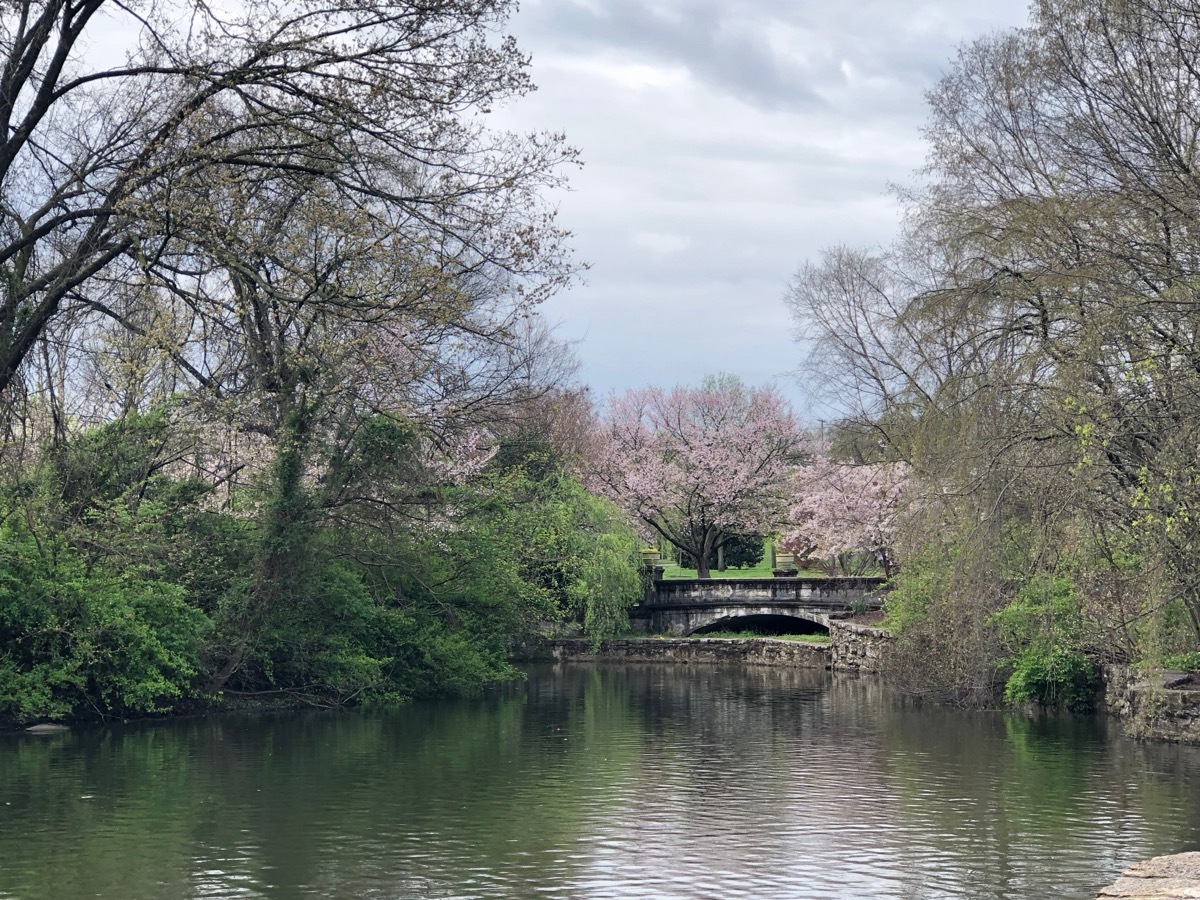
857,648
1162,706
744,651
851,648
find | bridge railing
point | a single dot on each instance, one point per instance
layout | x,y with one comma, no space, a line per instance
821,591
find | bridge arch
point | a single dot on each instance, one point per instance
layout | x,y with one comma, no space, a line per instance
773,623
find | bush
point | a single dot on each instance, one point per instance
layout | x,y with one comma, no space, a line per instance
944,649
1041,627
1188,662
85,640
745,551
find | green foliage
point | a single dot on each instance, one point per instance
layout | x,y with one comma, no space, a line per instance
332,643
1188,662
916,589
603,565
739,551
81,639
115,460
744,551
576,555
125,591
938,610
1041,627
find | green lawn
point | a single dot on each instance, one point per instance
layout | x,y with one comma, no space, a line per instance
762,570
759,571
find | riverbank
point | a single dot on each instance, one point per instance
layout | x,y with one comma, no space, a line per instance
226,705
745,651
852,647
1161,707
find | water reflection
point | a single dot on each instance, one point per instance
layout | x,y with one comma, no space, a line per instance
649,781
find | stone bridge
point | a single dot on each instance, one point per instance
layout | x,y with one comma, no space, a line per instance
683,606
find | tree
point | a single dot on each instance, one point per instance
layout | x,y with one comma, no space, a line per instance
377,100
294,222
1064,159
697,465
366,366
1030,345
846,513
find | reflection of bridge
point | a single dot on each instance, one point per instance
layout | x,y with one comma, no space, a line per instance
684,606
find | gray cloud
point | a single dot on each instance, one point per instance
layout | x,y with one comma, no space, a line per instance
725,143
776,54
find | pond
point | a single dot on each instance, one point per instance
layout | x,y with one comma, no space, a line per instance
594,782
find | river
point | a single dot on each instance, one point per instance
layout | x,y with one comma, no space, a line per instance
595,782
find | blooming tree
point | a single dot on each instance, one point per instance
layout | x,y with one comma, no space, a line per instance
842,509
697,465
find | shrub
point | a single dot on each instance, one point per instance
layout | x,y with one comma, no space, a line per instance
84,639
1041,628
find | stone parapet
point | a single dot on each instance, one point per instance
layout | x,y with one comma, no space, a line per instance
837,592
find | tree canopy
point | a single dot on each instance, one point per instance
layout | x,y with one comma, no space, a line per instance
1029,345
697,465
269,332
113,161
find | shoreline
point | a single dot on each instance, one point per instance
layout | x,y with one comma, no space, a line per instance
852,647
762,651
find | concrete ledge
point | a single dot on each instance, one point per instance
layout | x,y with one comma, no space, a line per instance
1164,876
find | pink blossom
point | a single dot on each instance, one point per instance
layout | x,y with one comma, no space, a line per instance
697,465
842,508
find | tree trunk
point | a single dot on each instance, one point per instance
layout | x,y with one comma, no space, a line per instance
285,544
706,550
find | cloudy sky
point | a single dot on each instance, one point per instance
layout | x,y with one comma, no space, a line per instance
726,142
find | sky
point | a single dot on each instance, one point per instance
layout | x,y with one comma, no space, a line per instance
725,143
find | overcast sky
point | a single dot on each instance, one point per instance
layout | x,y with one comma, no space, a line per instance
726,142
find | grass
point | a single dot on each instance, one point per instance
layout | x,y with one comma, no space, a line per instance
762,570
804,638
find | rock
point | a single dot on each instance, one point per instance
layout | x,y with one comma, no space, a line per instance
1174,679
1176,876
1160,706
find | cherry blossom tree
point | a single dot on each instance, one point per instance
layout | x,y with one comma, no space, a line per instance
842,510
697,465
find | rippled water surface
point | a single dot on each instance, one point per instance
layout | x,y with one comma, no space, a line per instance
659,782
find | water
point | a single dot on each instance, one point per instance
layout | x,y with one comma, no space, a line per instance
655,782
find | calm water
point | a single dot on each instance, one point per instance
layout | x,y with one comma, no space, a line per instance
657,782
